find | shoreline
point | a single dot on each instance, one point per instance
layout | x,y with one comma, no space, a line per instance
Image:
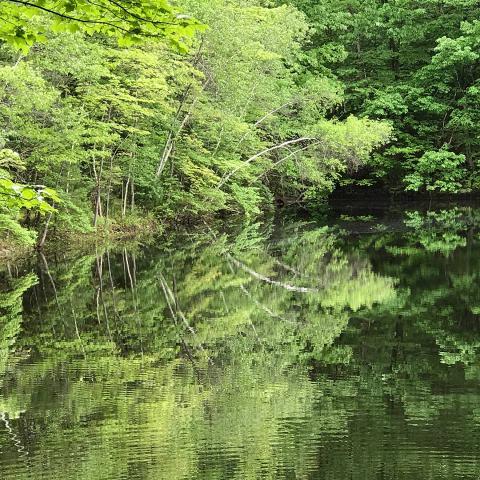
76,241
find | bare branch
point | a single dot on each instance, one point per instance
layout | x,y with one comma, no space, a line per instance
263,152
272,112
291,154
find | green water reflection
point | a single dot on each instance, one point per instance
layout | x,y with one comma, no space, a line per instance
283,351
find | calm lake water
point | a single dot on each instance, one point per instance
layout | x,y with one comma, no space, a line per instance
340,348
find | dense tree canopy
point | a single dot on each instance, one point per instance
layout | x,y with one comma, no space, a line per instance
414,63
130,21
229,126
272,102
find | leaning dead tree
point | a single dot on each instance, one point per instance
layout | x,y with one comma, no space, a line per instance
279,146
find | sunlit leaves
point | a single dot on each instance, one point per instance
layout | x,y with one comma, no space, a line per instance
24,23
437,171
16,196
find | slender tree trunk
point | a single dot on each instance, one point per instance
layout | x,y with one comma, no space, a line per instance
124,208
43,238
109,188
98,196
132,187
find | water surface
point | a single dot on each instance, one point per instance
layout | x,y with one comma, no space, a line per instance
338,349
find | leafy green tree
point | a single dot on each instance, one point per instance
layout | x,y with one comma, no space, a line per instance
16,198
410,62
129,21
437,171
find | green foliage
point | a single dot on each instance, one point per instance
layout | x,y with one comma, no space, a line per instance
412,63
274,102
13,233
437,171
131,22
230,127
16,198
